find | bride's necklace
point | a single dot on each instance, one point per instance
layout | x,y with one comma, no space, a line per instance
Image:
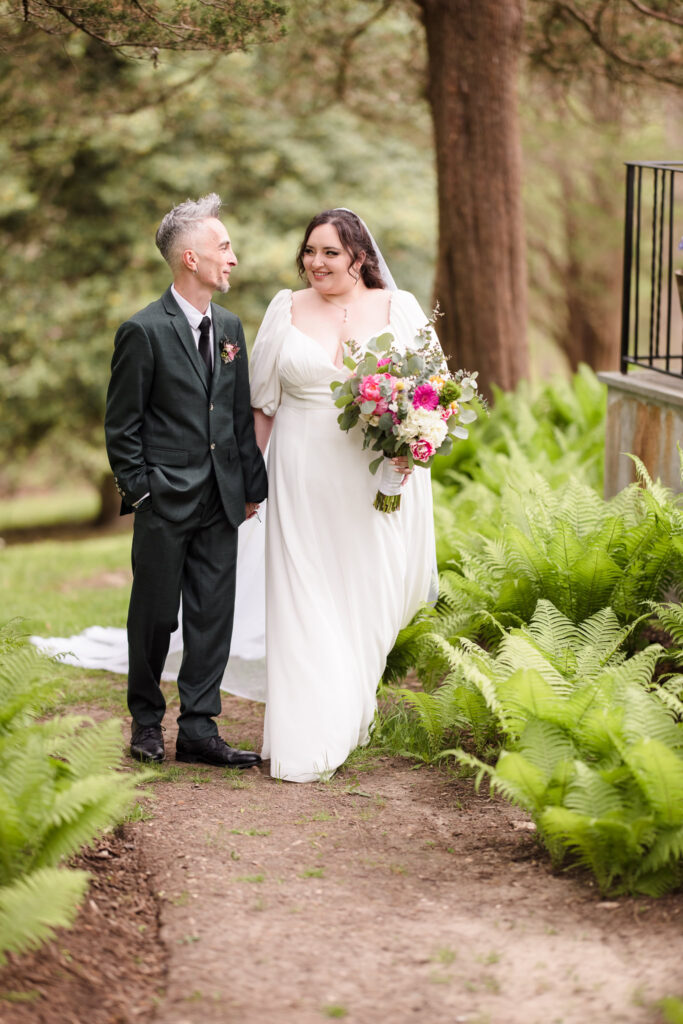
344,309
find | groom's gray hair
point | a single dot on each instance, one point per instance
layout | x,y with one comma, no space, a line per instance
177,227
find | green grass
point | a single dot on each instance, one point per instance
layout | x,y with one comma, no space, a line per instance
60,587
672,1010
74,505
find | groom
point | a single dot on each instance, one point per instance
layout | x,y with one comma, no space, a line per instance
180,440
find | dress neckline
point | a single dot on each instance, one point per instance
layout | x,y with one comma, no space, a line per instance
324,351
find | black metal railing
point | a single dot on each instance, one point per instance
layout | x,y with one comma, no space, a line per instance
652,297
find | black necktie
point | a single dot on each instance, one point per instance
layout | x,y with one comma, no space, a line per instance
204,342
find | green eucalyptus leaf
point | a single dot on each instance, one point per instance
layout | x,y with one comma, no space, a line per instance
383,342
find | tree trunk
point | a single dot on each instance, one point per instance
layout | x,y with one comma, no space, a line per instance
110,501
473,48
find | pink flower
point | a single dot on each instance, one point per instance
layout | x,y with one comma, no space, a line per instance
422,451
385,361
425,397
369,388
228,350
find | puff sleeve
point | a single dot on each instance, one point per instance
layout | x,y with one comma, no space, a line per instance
263,364
409,316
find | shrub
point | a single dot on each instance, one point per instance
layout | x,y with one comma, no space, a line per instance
57,793
567,546
592,754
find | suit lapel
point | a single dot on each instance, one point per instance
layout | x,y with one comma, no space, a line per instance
218,333
184,332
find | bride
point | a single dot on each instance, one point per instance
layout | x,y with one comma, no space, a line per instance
341,578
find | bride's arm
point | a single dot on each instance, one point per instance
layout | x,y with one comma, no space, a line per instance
263,427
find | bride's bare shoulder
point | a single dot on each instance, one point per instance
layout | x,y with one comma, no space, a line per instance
301,299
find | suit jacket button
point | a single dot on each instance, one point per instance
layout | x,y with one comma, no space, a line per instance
213,445
211,407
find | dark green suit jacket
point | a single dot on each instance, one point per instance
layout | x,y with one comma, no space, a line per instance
169,423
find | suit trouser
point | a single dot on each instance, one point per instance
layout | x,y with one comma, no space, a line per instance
195,558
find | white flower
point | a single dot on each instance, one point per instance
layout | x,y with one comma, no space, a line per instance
423,424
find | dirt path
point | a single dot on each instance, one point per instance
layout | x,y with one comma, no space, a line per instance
387,894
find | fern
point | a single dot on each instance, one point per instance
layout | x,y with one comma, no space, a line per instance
57,793
590,751
34,906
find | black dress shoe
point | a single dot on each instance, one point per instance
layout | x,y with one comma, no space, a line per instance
146,742
214,750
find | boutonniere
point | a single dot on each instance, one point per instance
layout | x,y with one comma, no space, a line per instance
229,350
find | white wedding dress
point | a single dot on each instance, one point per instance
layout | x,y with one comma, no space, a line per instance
341,577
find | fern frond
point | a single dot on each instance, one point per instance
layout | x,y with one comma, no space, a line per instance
645,717
517,651
428,711
545,746
656,883
641,471
526,694
403,656
659,773
553,632
519,780
671,617
81,812
667,848
34,906
589,794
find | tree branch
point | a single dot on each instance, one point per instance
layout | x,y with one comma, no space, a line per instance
349,42
597,37
660,15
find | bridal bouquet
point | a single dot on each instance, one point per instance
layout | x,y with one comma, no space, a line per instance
407,403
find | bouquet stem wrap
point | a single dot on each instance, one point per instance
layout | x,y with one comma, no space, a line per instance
388,497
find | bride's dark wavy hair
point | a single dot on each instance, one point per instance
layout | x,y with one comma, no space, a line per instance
354,237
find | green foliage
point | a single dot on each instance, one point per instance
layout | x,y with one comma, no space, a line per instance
557,429
672,1010
593,756
568,546
625,42
57,792
223,25
536,646
31,908
88,182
